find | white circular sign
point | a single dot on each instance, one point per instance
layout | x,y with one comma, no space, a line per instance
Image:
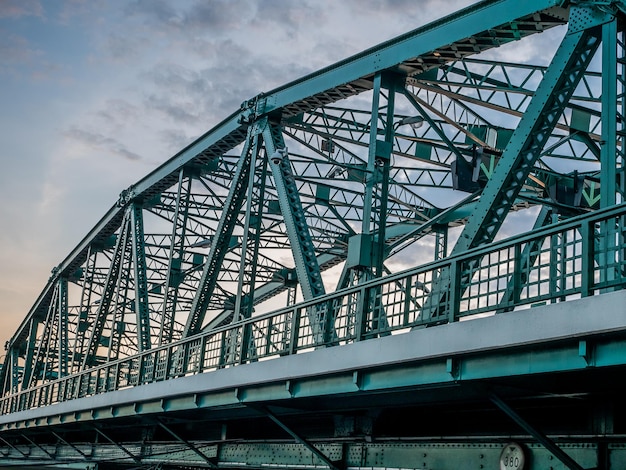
512,457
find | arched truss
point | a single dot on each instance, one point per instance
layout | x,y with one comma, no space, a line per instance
367,167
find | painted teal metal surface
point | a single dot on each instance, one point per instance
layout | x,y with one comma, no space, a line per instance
399,167
399,53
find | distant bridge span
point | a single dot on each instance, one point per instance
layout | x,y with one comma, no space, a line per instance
335,276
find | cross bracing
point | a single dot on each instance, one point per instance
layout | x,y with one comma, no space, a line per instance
353,173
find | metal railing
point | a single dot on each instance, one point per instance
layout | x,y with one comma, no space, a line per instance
580,257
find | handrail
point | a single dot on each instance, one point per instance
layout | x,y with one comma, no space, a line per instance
582,256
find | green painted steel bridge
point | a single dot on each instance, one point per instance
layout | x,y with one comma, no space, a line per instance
412,259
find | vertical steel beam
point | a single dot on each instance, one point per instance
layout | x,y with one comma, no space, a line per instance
219,247
142,308
43,358
122,292
608,144
177,251
15,369
382,159
250,240
441,240
620,145
63,335
250,245
368,200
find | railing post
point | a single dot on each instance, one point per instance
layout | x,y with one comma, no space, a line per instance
202,355
361,314
79,385
246,332
295,329
453,296
517,273
587,258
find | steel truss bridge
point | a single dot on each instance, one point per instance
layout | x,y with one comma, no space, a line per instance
415,259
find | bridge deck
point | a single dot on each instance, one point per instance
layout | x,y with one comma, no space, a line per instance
581,335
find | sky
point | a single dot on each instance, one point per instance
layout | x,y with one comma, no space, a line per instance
95,94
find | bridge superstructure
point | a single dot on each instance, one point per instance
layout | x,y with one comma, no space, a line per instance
413,258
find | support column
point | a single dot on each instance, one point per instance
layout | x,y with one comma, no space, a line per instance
28,360
250,244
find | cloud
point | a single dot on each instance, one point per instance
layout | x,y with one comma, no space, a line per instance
187,95
117,113
217,15
101,142
20,8
16,50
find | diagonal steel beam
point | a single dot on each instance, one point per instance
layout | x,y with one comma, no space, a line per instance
541,437
107,295
13,447
118,445
176,253
51,456
524,148
332,465
219,247
531,135
69,444
192,447
302,247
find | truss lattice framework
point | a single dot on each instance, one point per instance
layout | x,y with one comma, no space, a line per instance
362,169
